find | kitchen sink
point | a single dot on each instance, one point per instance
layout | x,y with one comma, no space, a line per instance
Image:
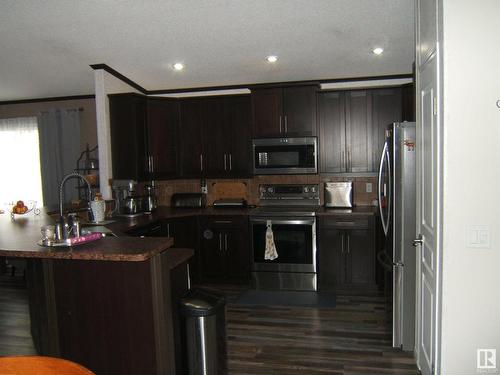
106,232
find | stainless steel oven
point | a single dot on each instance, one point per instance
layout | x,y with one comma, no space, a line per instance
295,240
285,155
290,211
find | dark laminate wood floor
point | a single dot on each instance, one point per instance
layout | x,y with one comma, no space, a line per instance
354,338
15,336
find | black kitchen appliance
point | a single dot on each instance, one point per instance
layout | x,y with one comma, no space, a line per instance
188,200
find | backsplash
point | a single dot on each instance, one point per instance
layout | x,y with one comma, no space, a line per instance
249,188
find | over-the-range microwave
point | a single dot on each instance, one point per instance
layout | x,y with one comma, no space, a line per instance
285,155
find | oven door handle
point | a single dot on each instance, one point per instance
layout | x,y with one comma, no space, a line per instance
308,221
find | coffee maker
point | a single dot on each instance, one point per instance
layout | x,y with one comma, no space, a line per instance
128,201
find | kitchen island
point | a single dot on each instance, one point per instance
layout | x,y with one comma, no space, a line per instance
109,304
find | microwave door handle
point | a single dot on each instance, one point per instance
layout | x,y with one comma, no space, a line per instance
380,170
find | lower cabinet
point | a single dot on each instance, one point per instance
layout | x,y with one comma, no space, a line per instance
224,250
346,252
184,231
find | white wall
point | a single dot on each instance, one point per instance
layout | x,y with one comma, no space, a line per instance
471,277
106,84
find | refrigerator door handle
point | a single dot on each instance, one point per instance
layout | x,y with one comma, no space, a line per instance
385,224
389,200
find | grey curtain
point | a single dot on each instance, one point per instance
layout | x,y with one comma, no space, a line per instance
59,137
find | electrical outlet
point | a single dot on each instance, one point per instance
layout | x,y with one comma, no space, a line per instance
369,187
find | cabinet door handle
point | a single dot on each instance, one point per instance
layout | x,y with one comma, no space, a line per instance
225,241
280,124
168,230
348,245
286,124
223,221
230,162
149,164
349,160
225,162
342,243
220,242
201,162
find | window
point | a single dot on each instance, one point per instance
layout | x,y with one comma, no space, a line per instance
20,177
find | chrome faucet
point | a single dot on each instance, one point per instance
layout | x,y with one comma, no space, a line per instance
61,190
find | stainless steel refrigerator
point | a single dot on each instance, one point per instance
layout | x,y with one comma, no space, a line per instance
396,190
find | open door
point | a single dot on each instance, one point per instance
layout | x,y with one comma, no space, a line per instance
428,189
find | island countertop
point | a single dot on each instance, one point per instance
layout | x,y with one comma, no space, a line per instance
19,237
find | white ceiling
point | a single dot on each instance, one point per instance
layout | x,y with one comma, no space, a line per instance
46,47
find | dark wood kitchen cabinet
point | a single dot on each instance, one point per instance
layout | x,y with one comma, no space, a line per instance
284,112
128,136
331,113
386,109
227,136
346,252
191,135
352,126
184,231
143,136
345,131
358,109
215,136
409,103
162,127
224,249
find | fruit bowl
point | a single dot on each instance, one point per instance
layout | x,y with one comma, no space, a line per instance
21,208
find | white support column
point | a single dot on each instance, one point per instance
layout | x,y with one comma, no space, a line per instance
103,134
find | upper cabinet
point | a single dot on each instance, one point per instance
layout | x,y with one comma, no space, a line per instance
387,108
192,163
143,136
215,136
162,126
352,128
358,110
409,103
128,136
284,112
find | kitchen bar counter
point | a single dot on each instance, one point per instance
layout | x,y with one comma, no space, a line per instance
19,237
110,305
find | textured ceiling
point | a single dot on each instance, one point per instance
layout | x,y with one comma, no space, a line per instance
46,47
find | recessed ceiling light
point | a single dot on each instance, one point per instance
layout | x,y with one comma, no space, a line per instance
272,58
178,66
378,51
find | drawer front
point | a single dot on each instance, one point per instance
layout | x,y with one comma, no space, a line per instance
224,221
346,222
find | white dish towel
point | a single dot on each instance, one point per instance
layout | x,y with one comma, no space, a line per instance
270,253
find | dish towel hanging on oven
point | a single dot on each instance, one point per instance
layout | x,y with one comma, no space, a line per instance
270,253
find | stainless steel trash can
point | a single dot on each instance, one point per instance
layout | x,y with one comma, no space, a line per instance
204,316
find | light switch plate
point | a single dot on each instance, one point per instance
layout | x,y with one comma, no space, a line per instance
478,236
369,187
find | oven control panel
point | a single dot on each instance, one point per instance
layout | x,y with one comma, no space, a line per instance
307,194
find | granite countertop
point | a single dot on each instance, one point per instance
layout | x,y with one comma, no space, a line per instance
19,237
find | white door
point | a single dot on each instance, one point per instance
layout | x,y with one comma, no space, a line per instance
429,176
